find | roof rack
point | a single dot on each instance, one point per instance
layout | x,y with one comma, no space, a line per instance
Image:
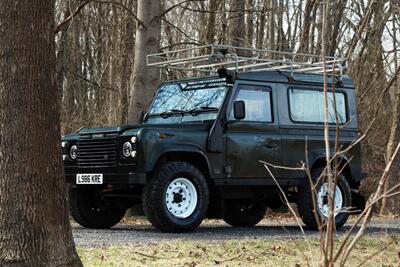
207,59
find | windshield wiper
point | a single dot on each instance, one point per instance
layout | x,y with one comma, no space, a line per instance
170,112
193,111
167,113
198,110
209,108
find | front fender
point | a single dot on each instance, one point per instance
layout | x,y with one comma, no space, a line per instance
158,151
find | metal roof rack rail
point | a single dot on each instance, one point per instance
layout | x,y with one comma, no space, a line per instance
207,59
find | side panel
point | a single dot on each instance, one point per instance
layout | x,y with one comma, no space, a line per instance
302,141
248,142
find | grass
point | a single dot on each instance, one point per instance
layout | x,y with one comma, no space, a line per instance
254,252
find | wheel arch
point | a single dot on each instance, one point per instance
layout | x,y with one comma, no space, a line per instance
344,165
196,158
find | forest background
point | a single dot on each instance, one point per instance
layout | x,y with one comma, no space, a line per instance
103,79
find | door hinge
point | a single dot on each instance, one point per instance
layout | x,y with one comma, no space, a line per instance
227,169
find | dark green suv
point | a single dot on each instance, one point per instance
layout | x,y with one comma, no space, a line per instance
197,153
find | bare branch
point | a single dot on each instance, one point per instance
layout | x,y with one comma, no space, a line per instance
367,211
140,23
177,5
302,168
70,17
298,220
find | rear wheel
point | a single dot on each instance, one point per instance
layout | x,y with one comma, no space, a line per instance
91,209
176,199
244,212
342,201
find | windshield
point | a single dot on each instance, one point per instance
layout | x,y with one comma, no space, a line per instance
187,101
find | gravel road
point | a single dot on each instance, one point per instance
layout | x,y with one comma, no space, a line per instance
212,230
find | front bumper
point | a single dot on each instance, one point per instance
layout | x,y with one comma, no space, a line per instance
131,178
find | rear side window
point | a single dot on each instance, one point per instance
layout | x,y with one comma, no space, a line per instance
257,101
308,106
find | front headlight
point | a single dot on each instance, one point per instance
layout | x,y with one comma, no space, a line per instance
73,152
127,149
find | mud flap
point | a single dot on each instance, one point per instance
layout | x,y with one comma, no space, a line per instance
358,201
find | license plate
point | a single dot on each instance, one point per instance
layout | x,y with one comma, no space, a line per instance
89,178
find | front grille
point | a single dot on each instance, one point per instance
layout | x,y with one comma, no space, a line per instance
97,151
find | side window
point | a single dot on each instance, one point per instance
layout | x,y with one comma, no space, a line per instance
308,106
257,101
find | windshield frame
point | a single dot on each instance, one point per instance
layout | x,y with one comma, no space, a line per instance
193,112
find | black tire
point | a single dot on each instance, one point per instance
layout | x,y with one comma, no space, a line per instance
244,212
154,198
306,207
91,210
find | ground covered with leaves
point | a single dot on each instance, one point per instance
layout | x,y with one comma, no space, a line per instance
238,253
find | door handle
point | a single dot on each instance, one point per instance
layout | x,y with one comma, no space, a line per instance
268,142
271,145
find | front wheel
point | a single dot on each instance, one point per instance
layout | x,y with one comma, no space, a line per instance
176,199
342,201
244,212
91,209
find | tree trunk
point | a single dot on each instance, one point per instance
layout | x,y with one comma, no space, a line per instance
261,26
389,204
210,31
113,49
336,13
224,26
34,221
236,25
270,38
305,31
127,64
318,45
365,54
282,44
145,79
249,24
61,55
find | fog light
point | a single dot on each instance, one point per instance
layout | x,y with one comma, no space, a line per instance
133,154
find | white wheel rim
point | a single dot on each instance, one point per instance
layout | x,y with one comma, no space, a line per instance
181,198
323,205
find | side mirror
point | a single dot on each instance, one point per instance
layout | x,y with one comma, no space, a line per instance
239,110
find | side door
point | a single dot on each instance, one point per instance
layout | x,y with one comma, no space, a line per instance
256,137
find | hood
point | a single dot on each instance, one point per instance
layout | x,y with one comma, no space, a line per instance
136,127
115,129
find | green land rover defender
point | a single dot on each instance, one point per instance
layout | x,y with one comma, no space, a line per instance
197,152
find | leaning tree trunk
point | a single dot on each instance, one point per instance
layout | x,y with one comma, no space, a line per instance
391,204
34,222
145,79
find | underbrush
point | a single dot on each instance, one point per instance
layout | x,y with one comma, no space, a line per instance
254,252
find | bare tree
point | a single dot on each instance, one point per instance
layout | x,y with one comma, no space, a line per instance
34,221
145,79
98,63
